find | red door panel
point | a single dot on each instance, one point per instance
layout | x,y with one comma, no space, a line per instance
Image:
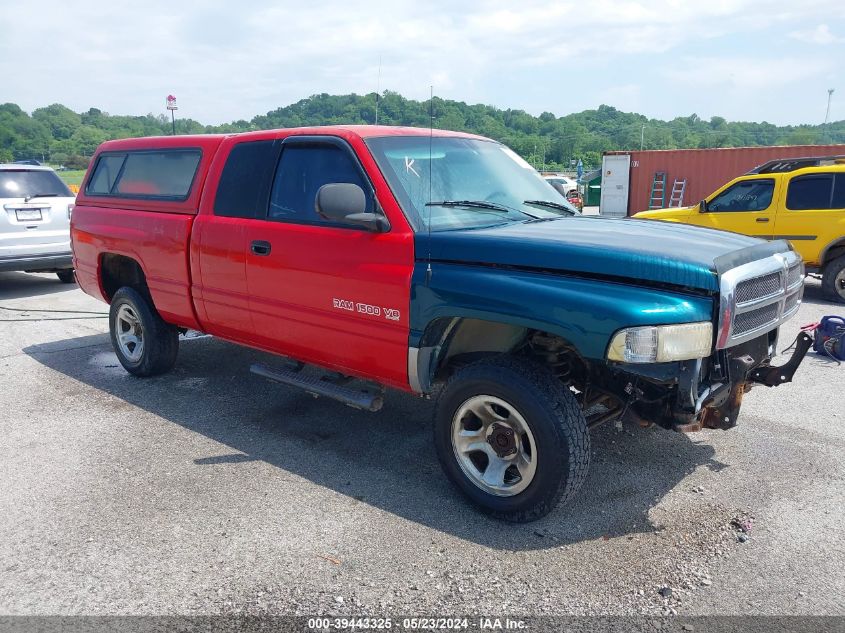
335,297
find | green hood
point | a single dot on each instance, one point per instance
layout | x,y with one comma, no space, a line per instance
644,250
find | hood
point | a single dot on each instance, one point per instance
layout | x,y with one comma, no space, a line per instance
658,252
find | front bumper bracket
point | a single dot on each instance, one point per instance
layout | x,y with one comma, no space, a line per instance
724,414
774,376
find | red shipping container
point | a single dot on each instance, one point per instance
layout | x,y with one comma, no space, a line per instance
705,170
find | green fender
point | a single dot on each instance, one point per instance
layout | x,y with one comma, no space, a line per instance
584,311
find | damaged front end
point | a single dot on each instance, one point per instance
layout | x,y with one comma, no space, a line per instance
755,299
702,393
744,374
734,373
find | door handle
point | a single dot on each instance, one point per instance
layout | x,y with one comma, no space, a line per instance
260,247
762,220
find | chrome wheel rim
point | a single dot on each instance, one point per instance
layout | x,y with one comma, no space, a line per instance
130,334
494,446
839,283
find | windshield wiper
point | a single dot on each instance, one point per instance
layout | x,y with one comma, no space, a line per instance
472,204
40,195
477,204
552,205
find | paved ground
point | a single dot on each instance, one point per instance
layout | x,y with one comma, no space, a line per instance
211,490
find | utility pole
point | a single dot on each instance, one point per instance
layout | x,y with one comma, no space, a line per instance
642,137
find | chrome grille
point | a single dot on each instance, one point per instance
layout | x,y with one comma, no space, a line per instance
792,301
796,274
755,319
758,296
759,287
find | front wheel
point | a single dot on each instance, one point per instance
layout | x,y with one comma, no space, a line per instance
512,438
833,280
144,343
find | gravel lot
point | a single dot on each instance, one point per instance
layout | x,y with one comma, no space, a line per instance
212,490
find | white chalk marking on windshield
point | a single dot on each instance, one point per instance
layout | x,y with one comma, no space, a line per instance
409,166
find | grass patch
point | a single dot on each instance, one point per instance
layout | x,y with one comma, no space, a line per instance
72,176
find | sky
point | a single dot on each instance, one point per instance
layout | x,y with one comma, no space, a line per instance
748,60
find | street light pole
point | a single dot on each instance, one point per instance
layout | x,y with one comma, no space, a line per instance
827,112
642,137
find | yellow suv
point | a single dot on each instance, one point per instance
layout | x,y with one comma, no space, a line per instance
800,199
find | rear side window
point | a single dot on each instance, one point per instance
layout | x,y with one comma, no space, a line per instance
302,170
108,167
839,192
245,181
145,174
810,192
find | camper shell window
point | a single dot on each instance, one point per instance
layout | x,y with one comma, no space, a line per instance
160,174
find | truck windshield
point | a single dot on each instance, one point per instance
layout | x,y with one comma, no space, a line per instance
24,183
457,183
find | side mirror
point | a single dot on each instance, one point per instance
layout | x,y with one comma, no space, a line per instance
702,206
346,203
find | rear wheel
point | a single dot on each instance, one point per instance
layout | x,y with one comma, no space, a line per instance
833,280
512,438
66,276
144,343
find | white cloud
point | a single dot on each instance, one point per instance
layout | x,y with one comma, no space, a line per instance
819,35
226,61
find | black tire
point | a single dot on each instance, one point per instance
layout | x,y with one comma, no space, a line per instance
66,276
560,434
833,289
160,339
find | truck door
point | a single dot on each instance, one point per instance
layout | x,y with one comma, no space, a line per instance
329,294
219,247
745,206
809,216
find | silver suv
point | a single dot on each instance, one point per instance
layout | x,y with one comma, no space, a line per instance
35,221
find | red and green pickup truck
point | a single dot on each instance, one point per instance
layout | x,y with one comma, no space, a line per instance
441,264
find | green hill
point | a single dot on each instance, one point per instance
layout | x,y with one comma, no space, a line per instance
58,135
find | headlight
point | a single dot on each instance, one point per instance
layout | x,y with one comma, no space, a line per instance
662,343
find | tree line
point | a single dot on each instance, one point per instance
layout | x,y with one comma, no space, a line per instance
57,135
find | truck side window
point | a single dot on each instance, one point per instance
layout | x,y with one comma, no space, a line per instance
810,192
245,181
746,195
302,170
